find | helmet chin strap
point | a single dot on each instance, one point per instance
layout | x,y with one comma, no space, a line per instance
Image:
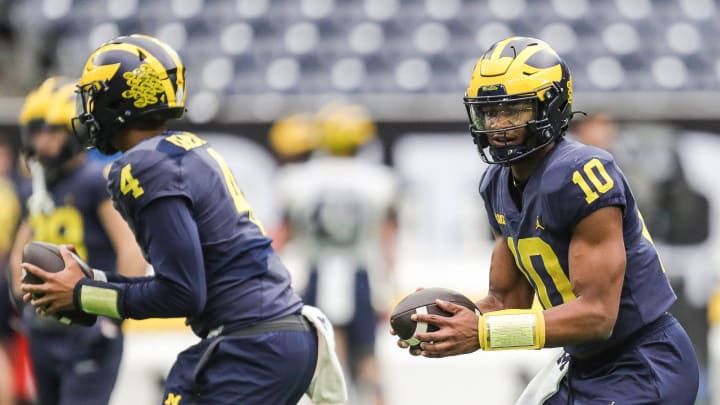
104,143
538,131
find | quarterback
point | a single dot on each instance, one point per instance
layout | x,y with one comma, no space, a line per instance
568,231
213,263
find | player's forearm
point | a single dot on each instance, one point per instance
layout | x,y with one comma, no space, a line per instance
116,296
148,297
490,303
578,321
177,290
507,287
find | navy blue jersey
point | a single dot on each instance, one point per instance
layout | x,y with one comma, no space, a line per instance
572,182
75,220
239,278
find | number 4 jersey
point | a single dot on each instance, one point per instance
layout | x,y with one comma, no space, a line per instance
243,279
573,181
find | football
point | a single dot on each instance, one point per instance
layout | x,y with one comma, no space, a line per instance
47,256
423,301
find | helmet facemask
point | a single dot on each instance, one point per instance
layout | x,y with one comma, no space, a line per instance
87,127
515,74
541,129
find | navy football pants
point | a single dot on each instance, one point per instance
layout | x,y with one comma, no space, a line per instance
656,368
268,368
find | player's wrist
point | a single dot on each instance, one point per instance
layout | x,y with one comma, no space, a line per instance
97,298
511,329
99,275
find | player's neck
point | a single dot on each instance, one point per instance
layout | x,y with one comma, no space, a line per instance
131,137
523,169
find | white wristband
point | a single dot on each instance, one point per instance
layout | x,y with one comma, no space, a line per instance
99,275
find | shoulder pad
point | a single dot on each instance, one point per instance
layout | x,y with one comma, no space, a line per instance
579,180
488,177
570,156
143,175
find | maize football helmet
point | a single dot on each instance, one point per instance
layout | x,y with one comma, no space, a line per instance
294,136
516,75
127,79
35,109
50,107
344,128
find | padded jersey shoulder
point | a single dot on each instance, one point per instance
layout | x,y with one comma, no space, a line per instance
152,169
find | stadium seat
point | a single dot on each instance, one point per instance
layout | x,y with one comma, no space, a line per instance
375,39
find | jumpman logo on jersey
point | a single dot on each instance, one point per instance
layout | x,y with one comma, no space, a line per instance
538,225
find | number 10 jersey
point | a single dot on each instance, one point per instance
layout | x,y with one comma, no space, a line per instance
573,181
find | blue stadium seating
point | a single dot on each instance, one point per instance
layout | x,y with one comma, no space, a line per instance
266,26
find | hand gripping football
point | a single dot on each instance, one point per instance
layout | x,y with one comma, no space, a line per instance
47,256
423,301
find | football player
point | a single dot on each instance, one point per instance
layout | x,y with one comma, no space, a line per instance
294,138
9,216
213,263
568,230
69,204
338,210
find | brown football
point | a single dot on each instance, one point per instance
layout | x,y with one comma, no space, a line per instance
47,256
423,301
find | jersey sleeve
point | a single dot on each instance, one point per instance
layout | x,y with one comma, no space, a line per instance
142,176
178,288
487,192
575,190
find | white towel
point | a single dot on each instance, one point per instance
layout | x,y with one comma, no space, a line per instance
546,382
40,202
328,384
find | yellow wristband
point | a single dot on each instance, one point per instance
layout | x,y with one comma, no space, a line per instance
512,329
99,301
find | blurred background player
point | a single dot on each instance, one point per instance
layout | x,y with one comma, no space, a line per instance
294,138
69,204
339,210
9,217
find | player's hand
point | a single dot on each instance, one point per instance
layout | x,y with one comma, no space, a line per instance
56,292
414,350
457,334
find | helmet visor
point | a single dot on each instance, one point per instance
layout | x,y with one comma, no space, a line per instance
490,115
